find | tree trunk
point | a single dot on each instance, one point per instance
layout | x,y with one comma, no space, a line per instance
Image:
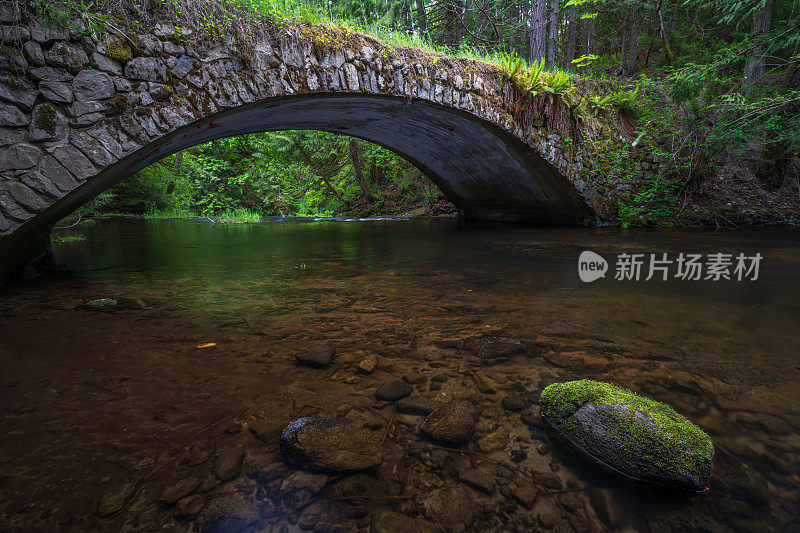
668,55
792,76
571,45
633,47
588,39
459,28
449,29
422,19
629,49
357,159
538,29
754,67
552,44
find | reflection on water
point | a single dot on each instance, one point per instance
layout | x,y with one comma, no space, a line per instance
722,353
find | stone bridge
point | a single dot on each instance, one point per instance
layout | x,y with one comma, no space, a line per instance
77,115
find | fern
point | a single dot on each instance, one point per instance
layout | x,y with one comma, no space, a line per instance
625,102
510,64
558,82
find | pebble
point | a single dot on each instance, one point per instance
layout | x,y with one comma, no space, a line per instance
394,390
514,402
197,453
179,490
493,441
542,448
484,383
451,506
525,494
479,479
228,463
266,430
265,471
189,507
368,364
228,513
517,456
417,406
116,497
551,481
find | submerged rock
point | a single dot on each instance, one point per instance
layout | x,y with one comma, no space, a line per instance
391,391
452,423
116,497
189,507
228,464
330,444
451,506
632,435
101,304
319,355
369,363
179,490
229,513
392,522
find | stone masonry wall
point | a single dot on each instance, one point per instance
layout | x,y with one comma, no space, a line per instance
71,106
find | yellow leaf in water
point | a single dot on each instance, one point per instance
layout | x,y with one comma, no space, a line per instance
207,345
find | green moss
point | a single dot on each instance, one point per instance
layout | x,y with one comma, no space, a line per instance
676,444
102,303
119,50
46,119
70,237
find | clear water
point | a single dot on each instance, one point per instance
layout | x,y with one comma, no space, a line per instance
725,354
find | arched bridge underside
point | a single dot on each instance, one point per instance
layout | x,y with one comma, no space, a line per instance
77,116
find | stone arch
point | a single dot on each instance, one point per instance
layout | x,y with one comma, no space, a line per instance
78,115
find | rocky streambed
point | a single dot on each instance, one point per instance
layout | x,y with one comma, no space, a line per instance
408,400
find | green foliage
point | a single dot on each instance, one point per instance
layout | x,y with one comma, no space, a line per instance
510,64
559,83
292,173
601,103
67,237
625,102
530,81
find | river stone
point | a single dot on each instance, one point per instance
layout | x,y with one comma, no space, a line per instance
318,355
493,441
179,490
330,444
392,522
369,363
228,463
394,390
189,507
229,513
479,479
116,498
632,435
452,423
452,507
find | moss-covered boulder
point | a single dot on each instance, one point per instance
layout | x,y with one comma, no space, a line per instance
640,438
330,445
